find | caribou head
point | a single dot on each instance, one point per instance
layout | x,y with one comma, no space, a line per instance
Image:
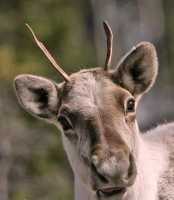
96,111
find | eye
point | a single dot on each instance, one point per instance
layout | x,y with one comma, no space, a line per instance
130,106
65,122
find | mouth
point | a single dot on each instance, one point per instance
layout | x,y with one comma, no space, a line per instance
108,192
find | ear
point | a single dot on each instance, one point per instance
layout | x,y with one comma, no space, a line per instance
137,71
37,95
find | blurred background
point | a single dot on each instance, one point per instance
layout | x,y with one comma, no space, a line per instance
33,165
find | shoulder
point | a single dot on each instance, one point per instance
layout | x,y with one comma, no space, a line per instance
161,132
162,136
165,135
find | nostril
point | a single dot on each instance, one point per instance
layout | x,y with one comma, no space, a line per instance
95,160
100,176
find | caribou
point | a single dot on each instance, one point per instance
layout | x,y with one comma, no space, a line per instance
95,109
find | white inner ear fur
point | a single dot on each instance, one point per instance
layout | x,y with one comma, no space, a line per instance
138,69
29,89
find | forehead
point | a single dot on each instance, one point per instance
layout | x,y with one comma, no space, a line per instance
90,90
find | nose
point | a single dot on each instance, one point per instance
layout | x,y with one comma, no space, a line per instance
110,165
100,176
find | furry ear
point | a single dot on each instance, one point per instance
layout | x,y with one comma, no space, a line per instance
37,95
137,71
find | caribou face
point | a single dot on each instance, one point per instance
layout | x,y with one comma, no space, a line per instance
98,121
96,111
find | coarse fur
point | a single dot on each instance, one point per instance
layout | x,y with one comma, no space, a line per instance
96,113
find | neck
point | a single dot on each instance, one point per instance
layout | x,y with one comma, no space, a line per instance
151,162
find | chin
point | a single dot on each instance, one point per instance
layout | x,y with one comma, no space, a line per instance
114,194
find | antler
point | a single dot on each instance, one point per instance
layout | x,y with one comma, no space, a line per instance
49,56
109,37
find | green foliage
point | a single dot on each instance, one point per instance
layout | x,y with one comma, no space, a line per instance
59,24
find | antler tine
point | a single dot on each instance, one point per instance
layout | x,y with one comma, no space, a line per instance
49,56
109,37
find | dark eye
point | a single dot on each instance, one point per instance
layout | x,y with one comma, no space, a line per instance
130,107
65,122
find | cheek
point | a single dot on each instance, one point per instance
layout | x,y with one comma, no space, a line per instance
130,119
130,122
79,168
83,146
131,131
